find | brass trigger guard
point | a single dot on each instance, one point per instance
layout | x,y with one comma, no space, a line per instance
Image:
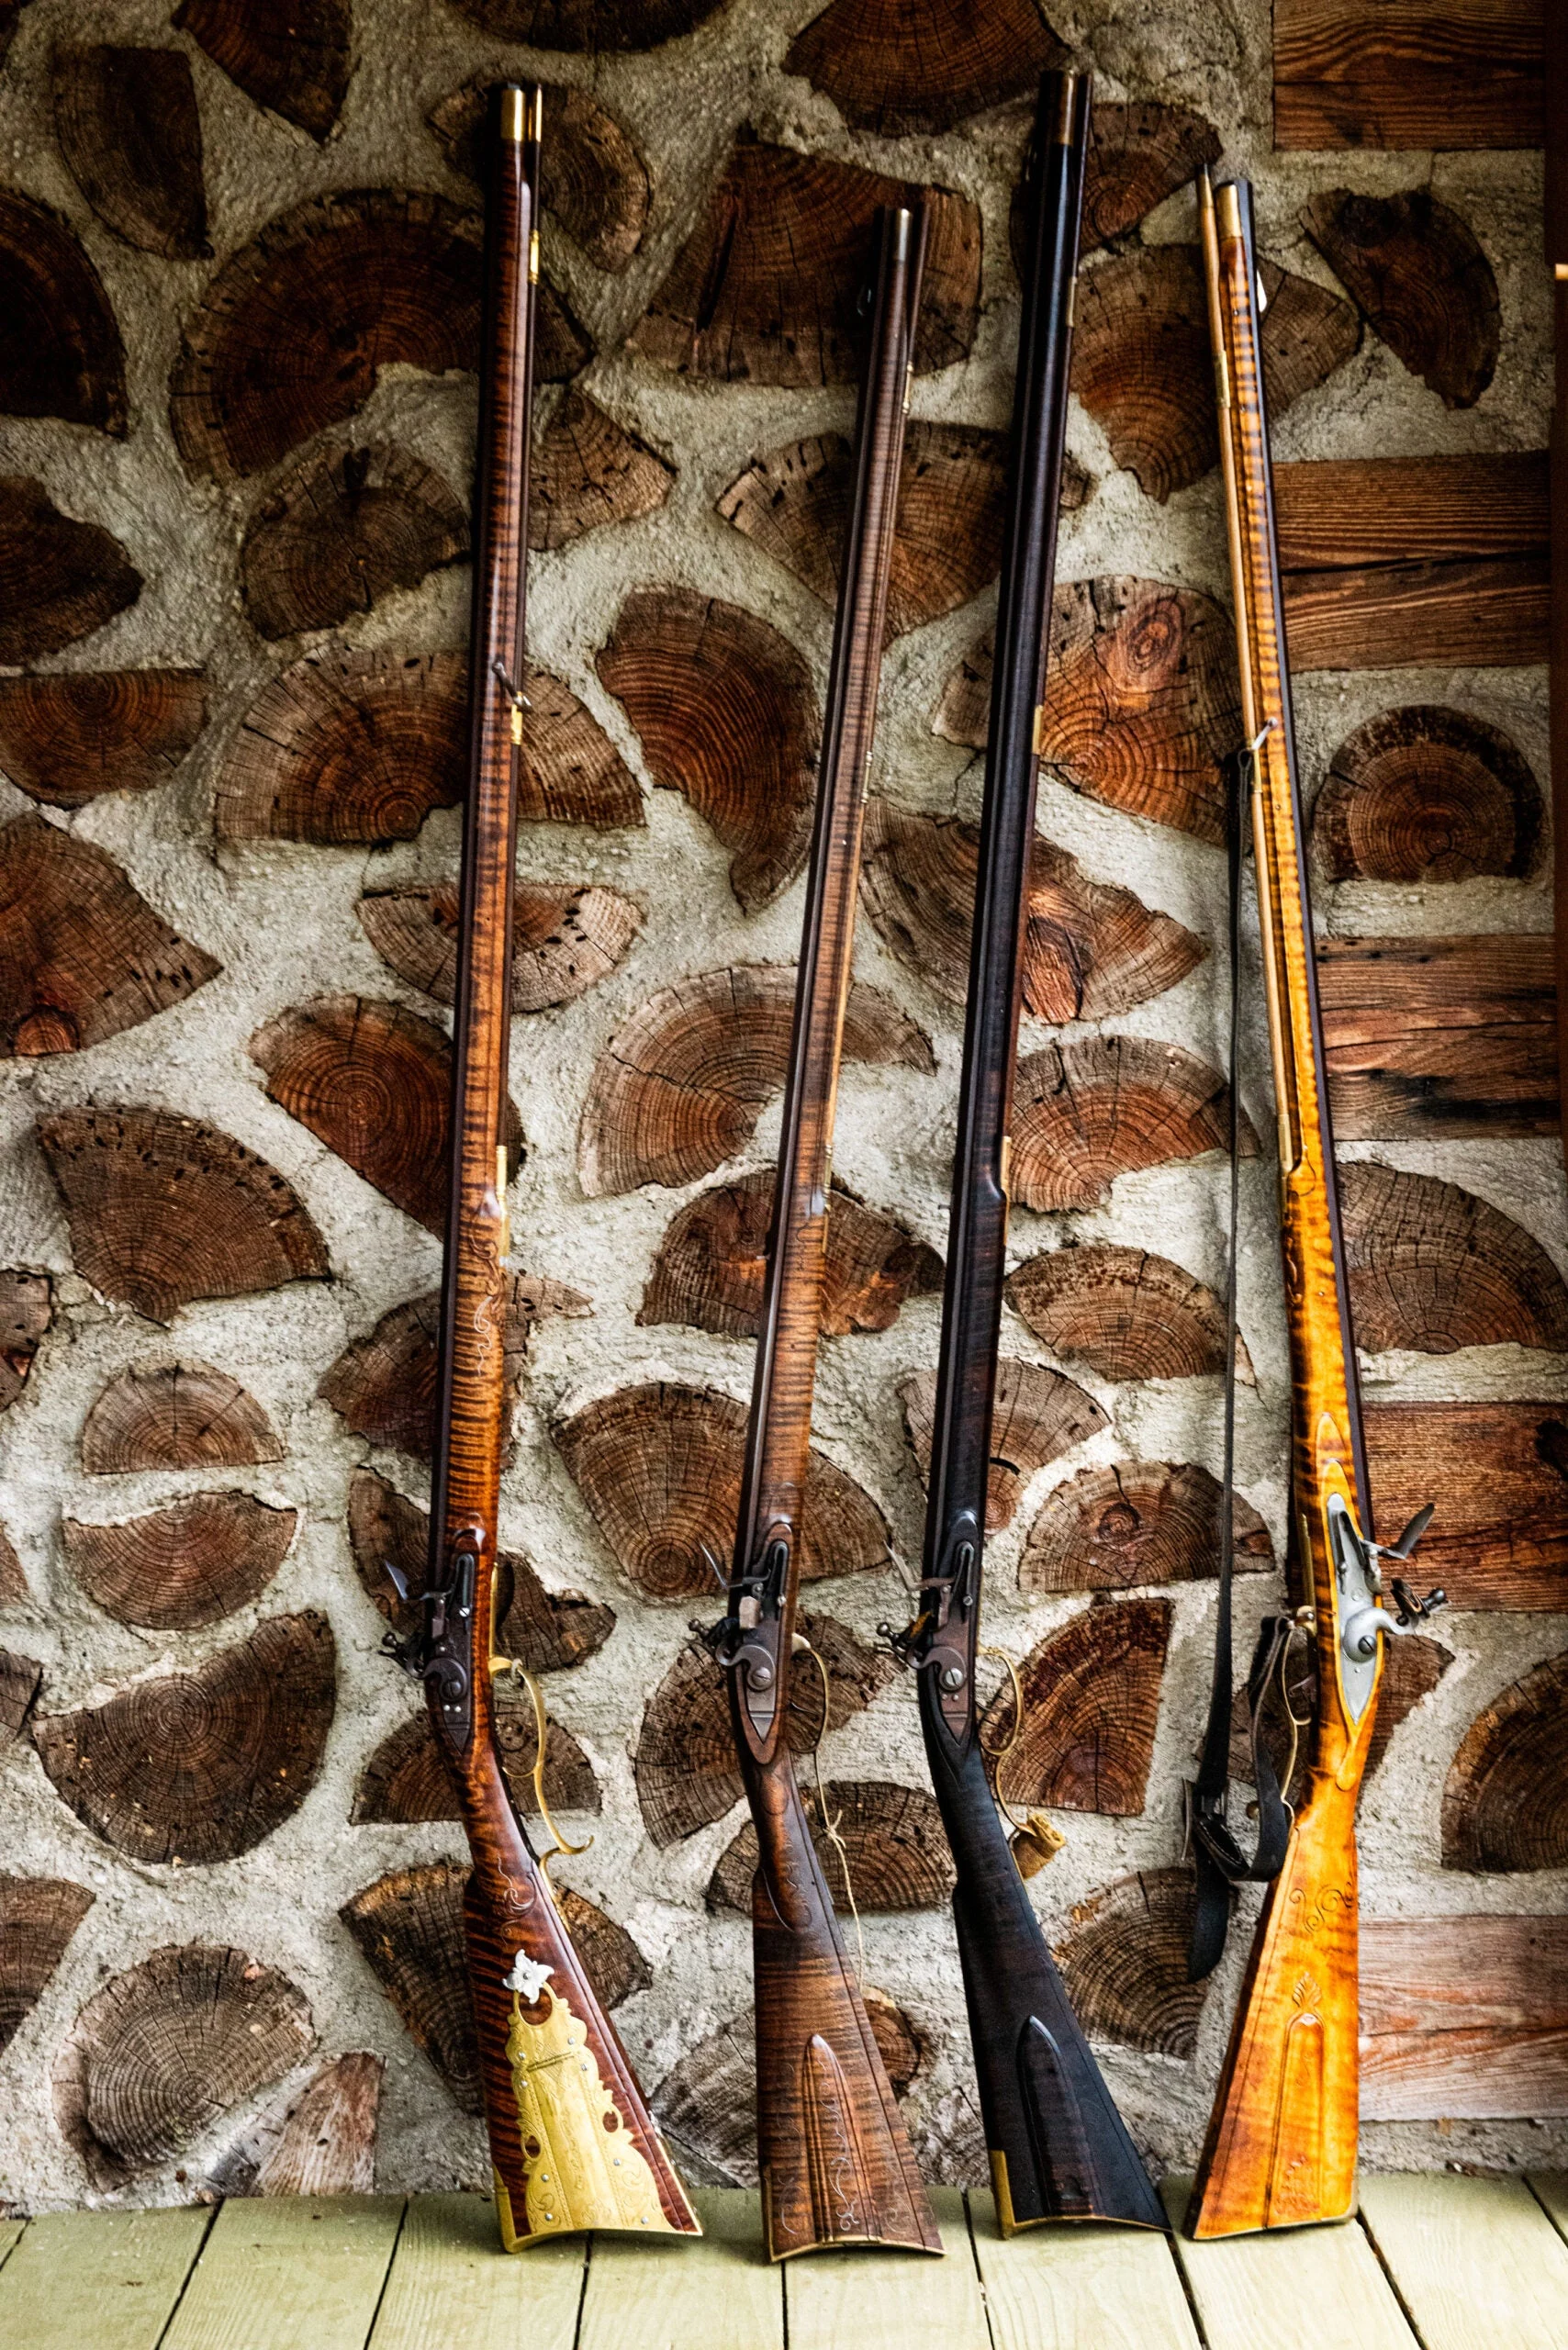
515,1666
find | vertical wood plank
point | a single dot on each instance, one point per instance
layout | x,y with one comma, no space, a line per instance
718,2291
107,2279
1303,2288
274,2275
1475,2260
451,2277
889,2301
1079,2287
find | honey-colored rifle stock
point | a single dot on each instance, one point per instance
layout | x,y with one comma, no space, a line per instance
1281,2140
836,2166
571,2142
1058,2148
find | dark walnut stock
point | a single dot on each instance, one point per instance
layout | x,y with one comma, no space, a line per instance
1058,2148
584,2153
836,2165
1281,2140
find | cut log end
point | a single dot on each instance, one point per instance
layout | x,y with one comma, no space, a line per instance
343,528
588,472
373,1081
1124,1962
1505,1801
565,940
886,1843
60,579
60,352
896,69
127,126
164,2048
680,1087
200,1767
192,1563
298,66
348,748
767,288
82,955
709,1272
26,1310
70,736
588,26
1092,949
180,1416
1433,1267
1429,794
405,1780
1037,1415
164,1210
1138,1522
727,713
1107,1106
1418,273
322,2142
38,1916
1091,1706
1123,1312
660,1467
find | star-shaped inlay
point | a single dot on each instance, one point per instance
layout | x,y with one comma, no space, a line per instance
527,1978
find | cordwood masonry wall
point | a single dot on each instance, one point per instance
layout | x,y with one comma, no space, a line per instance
278,917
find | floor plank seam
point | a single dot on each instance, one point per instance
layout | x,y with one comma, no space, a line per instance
1389,2277
979,2272
11,2247
1188,2295
205,2240
582,2292
386,2275
1529,2181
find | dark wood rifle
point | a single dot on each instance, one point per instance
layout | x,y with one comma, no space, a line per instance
1058,2148
571,2144
836,2165
1281,2150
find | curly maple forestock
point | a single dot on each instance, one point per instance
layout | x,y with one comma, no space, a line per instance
1058,2148
571,2144
1281,2140
836,2165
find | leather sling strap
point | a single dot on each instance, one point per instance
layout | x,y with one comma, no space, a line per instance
1218,1858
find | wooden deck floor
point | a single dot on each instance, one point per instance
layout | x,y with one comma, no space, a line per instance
1445,2262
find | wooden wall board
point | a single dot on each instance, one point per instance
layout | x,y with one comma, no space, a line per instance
1082,2287
273,2275
1409,73
1464,2017
889,2301
1474,2260
1555,241
108,2278
671,2293
449,2265
1301,2289
1500,1536
1390,562
1440,1036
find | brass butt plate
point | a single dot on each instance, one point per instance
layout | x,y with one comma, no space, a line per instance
582,2165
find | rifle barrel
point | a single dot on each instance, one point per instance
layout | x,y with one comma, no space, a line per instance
1058,2148
835,2162
572,2143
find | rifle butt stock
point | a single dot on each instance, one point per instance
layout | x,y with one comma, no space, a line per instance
1281,2150
837,2164
572,2143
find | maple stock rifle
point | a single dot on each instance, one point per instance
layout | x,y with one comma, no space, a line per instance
835,2162
1281,2149
571,2144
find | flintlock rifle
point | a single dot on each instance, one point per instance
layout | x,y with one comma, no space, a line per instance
836,2165
572,2143
1058,2148
1281,2150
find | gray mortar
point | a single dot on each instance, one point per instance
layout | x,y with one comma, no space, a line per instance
281,920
